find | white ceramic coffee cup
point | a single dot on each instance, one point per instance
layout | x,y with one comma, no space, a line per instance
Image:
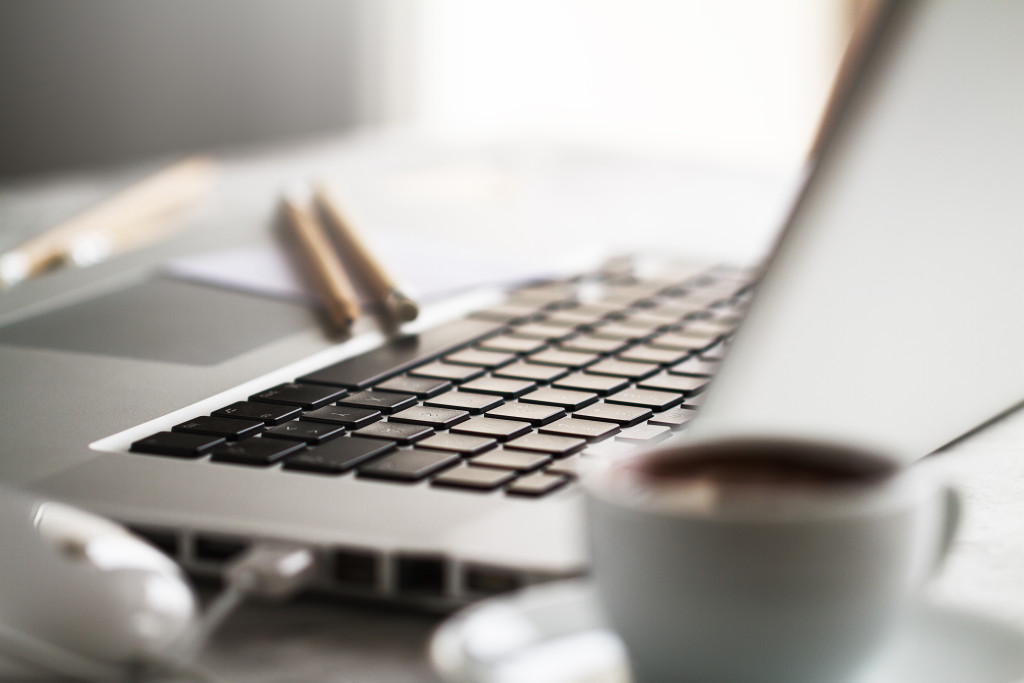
771,582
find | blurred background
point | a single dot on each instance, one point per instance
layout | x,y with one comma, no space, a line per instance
94,82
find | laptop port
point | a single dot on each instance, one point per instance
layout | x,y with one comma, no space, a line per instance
490,580
421,575
166,541
217,549
356,568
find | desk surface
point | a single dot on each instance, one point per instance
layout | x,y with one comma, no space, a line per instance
316,639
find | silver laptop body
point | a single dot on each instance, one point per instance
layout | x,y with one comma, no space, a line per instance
889,316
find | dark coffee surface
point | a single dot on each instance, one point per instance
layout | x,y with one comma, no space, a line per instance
771,464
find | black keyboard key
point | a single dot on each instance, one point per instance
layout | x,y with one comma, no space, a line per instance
177,444
695,366
399,354
645,353
565,359
492,427
458,443
462,400
268,413
309,432
499,386
480,357
306,396
401,432
644,434
510,344
338,456
537,484
590,344
623,368
424,387
566,398
384,401
474,478
591,430
531,371
455,373
350,416
686,386
675,418
431,416
221,426
646,398
409,466
547,443
255,452
519,461
599,384
534,413
624,416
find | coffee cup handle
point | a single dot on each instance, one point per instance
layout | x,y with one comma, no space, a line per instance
952,512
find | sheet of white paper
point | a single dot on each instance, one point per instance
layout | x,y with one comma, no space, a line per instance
427,269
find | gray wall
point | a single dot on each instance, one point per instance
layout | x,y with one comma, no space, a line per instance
94,81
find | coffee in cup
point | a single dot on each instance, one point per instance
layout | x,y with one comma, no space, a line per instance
760,561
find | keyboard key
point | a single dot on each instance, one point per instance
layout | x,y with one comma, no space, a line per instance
338,456
712,328
674,419
506,313
679,383
177,444
463,400
535,414
567,359
570,318
624,416
568,466
591,430
510,344
411,465
477,478
267,413
715,353
537,484
459,443
591,344
679,341
644,353
499,386
566,398
221,426
644,434
395,431
520,461
350,416
695,366
455,373
384,401
599,384
424,387
307,396
310,432
541,331
492,427
255,452
646,398
480,357
531,371
616,330
623,368
547,443
431,416
400,354
546,293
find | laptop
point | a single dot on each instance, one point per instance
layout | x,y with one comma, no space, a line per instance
440,467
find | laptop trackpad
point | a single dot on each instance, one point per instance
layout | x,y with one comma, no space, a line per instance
163,320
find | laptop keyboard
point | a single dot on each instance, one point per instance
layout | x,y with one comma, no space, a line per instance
511,398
